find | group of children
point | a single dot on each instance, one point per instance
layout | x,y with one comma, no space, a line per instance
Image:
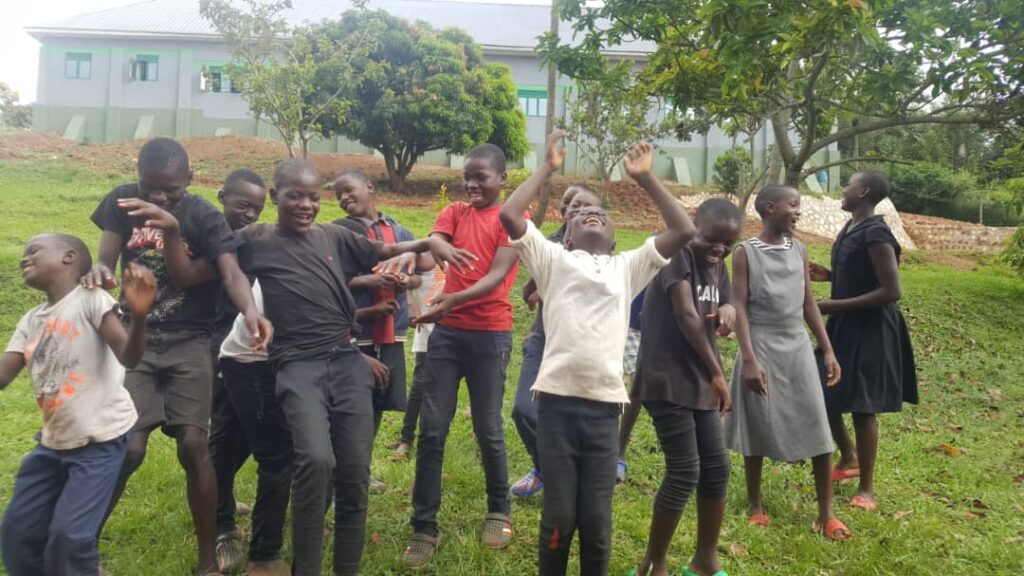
285,342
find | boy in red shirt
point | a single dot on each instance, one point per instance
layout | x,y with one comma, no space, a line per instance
472,339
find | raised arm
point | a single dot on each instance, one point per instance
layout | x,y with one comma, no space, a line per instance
519,202
813,318
504,259
754,377
691,324
639,163
883,260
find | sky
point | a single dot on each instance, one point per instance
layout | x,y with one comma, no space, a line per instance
20,63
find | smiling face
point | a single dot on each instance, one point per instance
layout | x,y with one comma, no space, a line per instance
591,230
297,195
714,240
483,182
854,194
567,197
166,186
784,212
355,195
243,203
44,260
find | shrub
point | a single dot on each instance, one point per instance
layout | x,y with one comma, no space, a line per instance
928,188
732,169
1014,252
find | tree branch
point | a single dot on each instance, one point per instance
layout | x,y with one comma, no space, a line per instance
878,159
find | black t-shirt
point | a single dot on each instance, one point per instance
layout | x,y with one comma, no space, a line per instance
304,284
206,235
853,273
669,368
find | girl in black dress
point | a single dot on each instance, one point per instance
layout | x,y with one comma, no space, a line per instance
867,331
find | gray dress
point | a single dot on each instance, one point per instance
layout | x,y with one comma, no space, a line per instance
789,424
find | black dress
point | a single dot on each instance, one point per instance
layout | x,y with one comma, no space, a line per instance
872,345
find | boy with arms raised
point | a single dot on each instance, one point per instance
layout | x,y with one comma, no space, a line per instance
75,348
158,223
587,294
472,338
323,384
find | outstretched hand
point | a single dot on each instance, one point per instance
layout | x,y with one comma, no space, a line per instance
139,289
639,160
555,154
445,254
155,216
98,277
818,272
401,264
438,309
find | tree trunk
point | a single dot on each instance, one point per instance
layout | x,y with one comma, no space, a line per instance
395,180
304,144
549,122
774,175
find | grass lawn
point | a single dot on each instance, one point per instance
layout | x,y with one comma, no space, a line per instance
950,474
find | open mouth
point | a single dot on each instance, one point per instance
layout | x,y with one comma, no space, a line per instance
304,218
593,221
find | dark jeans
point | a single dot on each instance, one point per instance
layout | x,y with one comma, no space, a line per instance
524,409
250,391
481,357
578,454
229,448
695,454
328,404
415,399
60,498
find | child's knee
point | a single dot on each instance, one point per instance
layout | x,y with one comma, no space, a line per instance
193,449
714,477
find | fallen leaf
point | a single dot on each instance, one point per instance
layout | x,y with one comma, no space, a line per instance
948,449
376,538
978,504
1014,540
1018,478
975,515
955,427
738,550
901,514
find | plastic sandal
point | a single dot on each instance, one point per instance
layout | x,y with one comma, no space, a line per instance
497,531
620,472
839,474
760,519
864,503
420,551
229,552
831,529
687,572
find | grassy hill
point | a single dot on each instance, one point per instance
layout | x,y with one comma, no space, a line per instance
950,474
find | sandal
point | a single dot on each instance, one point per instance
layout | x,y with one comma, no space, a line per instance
420,551
840,474
620,472
760,520
832,529
229,553
687,572
497,531
864,503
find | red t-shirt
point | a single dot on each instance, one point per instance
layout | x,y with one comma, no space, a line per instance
479,231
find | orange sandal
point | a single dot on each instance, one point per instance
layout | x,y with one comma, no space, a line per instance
834,530
864,503
840,474
760,519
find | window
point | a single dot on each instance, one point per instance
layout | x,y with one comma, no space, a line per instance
78,66
534,102
145,68
215,79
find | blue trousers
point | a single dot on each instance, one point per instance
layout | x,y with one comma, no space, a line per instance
60,498
524,409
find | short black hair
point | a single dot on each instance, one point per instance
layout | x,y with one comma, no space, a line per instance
581,186
714,210
771,194
876,182
491,153
290,165
162,153
243,175
355,173
69,242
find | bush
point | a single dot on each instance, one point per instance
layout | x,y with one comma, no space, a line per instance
928,188
732,169
1014,253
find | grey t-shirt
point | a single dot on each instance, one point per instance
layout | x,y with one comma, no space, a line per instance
77,379
669,368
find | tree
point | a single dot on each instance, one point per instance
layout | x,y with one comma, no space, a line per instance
12,113
419,89
276,66
549,116
609,113
807,64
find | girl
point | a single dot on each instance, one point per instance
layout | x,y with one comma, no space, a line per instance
779,405
868,331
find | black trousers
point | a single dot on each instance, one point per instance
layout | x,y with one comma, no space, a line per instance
415,399
578,447
695,455
481,357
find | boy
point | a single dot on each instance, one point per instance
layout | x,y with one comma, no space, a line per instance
323,386
586,293
76,349
681,383
383,296
246,418
157,222
472,339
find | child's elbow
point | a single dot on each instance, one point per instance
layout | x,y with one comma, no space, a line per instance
895,294
508,220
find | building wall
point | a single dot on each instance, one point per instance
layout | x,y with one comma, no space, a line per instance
114,106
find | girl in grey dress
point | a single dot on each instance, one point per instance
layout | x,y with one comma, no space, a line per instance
778,404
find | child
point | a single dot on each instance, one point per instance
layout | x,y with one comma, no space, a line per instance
776,392
187,242
76,348
681,383
867,330
431,285
587,294
472,339
524,409
632,411
384,331
246,418
323,386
